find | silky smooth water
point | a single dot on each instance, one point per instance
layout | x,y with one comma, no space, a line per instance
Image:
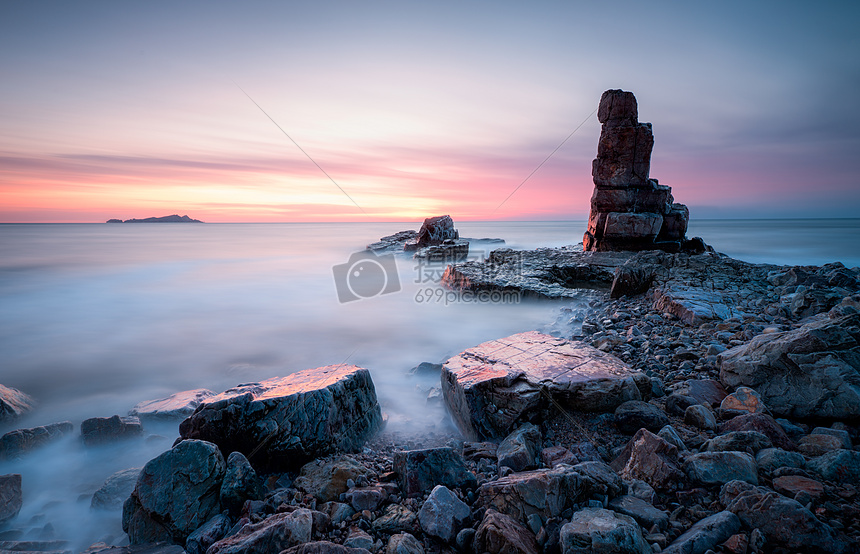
97,317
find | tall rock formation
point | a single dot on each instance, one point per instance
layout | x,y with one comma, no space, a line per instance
629,210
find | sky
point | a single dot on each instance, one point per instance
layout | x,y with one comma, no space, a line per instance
137,109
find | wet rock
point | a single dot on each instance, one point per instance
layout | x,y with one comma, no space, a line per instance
635,414
785,522
501,534
743,401
596,530
701,417
101,430
519,450
11,496
240,483
693,306
176,493
177,406
790,485
396,519
208,534
323,547
326,480
17,443
493,386
816,445
421,470
740,441
717,468
762,423
771,459
443,514
545,492
651,459
643,512
115,490
810,371
838,465
434,231
305,415
274,534
448,251
557,454
404,543
13,404
706,534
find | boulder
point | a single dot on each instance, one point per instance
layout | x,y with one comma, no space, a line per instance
358,539
643,512
367,498
176,493
443,514
326,480
770,459
599,531
545,492
519,450
743,401
11,496
706,534
102,430
404,543
707,392
115,489
14,444
554,455
817,445
633,415
701,417
838,465
717,468
396,518
421,470
841,434
285,421
492,387
13,404
810,371
740,441
501,534
240,484
692,305
785,522
274,534
651,459
208,534
790,485
177,406
434,230
323,547
762,423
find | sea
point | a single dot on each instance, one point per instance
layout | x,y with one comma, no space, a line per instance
95,318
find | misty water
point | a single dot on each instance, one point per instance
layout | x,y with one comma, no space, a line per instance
95,318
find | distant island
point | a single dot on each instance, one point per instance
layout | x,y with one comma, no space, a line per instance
165,219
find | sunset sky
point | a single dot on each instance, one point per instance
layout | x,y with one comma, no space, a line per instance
133,109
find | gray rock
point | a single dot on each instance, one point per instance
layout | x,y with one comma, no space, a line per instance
770,459
393,242
443,514
115,489
785,522
15,444
839,465
177,406
501,534
841,434
706,534
598,479
240,484
13,404
421,470
11,496
599,531
706,392
693,306
358,539
176,493
763,424
324,547
816,445
633,415
305,415
404,543
326,480
643,512
651,459
519,450
396,519
366,498
717,468
641,490
810,371
701,417
740,441
546,492
208,534
274,534
492,387
670,435
101,430
337,511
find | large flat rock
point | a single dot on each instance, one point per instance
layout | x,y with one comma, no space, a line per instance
176,406
493,386
281,423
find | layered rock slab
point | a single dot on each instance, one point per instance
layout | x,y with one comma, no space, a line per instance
282,422
492,387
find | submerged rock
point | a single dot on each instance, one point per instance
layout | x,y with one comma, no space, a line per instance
177,406
283,422
810,371
494,386
13,404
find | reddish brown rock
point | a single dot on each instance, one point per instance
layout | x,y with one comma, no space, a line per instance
789,485
546,492
500,534
629,210
818,445
762,423
492,387
651,459
743,400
